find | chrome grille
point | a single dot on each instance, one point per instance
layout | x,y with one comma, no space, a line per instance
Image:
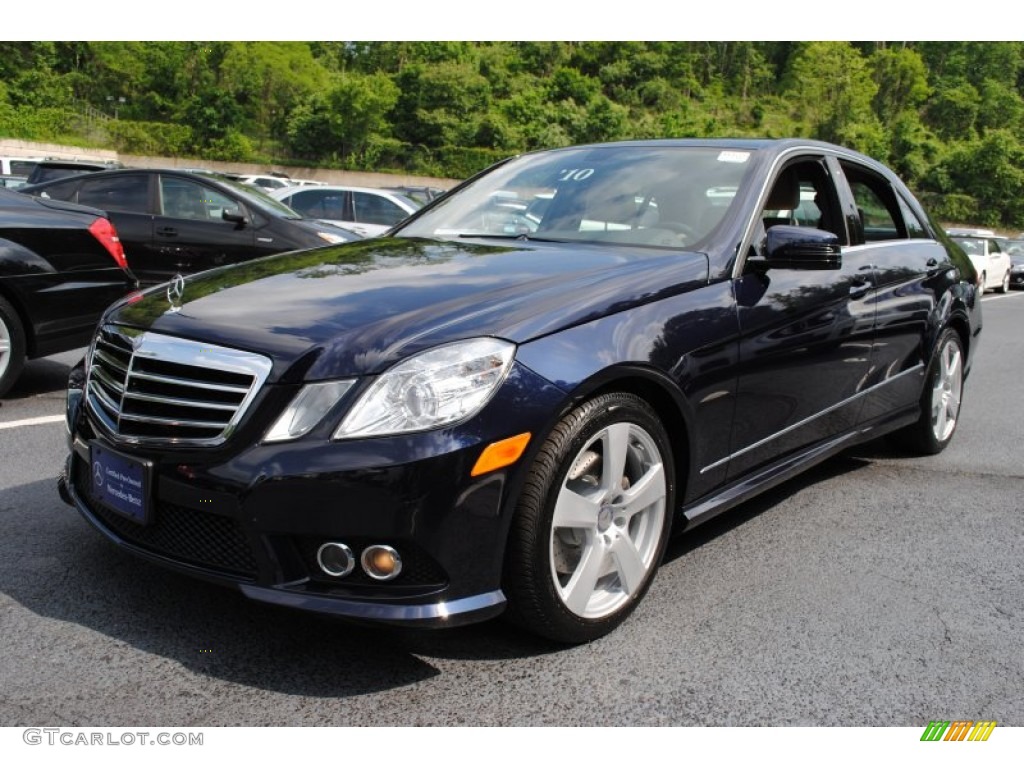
146,387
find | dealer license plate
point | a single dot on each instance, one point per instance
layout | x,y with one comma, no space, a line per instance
121,482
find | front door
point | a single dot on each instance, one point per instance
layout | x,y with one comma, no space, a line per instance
805,334
189,232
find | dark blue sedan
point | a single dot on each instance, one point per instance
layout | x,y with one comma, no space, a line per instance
509,403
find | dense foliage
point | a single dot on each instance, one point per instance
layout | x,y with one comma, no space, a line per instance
945,115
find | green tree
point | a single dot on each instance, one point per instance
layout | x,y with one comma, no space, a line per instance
340,122
953,110
902,80
830,86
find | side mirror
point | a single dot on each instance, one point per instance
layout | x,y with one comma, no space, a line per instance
234,215
789,247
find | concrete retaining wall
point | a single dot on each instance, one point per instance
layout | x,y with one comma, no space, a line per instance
19,148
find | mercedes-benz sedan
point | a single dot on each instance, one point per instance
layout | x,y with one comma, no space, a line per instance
507,406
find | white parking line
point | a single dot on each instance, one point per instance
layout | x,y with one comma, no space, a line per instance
30,422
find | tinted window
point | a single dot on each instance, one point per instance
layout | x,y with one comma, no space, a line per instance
22,167
914,227
803,195
320,204
374,209
184,199
67,191
121,193
877,204
878,222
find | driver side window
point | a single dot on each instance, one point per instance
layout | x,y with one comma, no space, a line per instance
802,195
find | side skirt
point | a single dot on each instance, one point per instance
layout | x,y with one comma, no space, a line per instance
745,488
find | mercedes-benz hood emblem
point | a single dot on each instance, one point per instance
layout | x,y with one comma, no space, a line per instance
175,292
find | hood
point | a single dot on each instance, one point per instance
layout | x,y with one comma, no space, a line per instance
357,308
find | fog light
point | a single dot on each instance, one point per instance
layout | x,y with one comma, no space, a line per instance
335,559
381,562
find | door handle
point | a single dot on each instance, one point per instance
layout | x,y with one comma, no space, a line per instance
167,232
860,288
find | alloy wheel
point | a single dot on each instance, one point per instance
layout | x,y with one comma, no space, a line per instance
608,521
947,390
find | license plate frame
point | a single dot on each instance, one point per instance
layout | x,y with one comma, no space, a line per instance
121,483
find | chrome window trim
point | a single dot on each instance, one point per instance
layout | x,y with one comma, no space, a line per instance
875,244
805,421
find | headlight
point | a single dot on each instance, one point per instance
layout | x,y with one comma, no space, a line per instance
307,409
331,238
434,388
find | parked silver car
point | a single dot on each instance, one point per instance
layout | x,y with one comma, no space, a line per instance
366,211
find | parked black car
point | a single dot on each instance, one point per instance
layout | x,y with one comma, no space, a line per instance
60,266
498,408
178,222
1015,248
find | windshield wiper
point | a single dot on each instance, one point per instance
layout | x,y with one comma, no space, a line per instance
498,236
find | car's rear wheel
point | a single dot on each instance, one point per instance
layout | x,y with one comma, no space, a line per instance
12,346
1005,285
940,400
592,520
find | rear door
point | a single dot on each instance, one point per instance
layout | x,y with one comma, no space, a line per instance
910,273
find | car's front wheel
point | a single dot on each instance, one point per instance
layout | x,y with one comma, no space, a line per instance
592,520
1004,287
12,346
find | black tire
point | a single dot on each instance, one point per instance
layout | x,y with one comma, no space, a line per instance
940,400
12,346
1004,287
575,583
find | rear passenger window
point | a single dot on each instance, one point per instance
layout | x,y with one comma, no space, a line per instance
915,229
68,191
22,167
882,213
129,194
876,218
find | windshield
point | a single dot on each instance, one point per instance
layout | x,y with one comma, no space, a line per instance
973,246
654,196
258,198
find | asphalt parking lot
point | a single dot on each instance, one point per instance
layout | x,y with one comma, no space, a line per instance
877,590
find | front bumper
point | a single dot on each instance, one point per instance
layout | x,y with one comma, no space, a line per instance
254,518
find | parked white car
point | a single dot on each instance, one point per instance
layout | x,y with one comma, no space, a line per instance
366,211
990,259
266,183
